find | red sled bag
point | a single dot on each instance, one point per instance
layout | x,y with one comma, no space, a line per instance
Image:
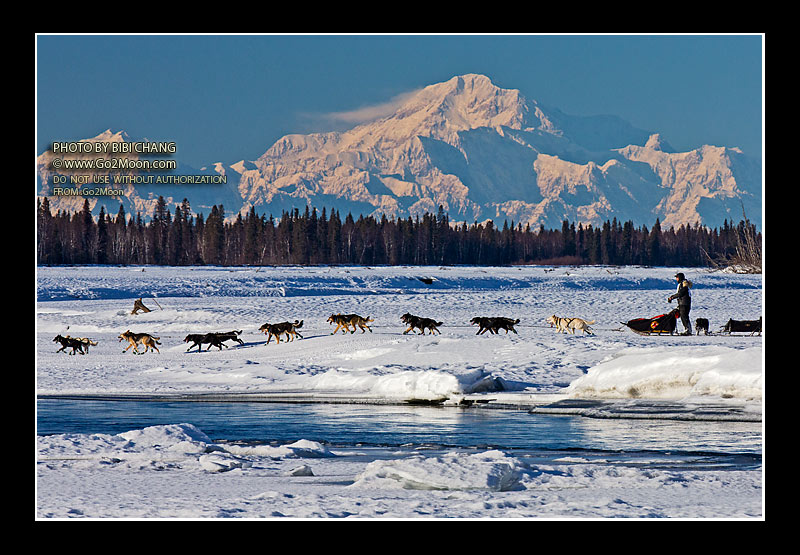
661,324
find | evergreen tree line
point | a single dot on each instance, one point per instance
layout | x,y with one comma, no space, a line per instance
180,238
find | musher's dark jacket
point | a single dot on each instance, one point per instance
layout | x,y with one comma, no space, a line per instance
683,296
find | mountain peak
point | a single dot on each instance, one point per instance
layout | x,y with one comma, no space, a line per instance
468,81
462,103
109,136
656,142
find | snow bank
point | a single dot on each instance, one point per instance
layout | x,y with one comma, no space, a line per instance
675,373
158,447
428,385
176,446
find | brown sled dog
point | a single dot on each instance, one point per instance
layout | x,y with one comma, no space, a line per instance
344,321
287,328
420,323
144,339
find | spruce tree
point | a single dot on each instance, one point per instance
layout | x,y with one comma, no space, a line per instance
654,254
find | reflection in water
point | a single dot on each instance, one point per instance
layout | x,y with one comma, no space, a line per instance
669,435
400,425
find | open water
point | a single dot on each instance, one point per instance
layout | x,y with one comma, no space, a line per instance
667,443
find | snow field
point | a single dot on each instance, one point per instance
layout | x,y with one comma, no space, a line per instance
175,471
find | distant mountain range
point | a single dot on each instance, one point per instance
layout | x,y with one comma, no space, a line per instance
480,152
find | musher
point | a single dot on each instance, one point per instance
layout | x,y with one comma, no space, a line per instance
684,301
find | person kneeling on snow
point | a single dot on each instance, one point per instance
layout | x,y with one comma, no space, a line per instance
684,301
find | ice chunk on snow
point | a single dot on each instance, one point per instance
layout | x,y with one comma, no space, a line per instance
184,438
221,462
491,470
301,449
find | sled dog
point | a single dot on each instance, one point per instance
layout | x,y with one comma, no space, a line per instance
87,342
344,321
493,324
420,323
701,324
287,328
197,340
145,339
77,344
564,325
214,339
229,336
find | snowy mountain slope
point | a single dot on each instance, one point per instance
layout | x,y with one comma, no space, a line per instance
483,152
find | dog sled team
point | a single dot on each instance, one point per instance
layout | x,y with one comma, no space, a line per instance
667,323
663,324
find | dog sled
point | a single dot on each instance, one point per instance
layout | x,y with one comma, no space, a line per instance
663,324
743,326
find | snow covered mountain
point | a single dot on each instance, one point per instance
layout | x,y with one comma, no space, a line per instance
481,152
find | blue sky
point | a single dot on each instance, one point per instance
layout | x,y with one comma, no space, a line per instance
227,98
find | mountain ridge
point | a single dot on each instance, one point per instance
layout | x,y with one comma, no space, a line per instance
483,152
